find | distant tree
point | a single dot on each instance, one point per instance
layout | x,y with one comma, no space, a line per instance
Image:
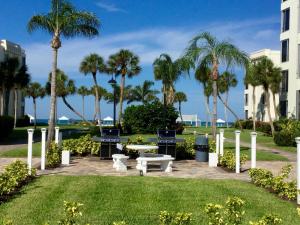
180,97
101,93
123,63
83,91
109,97
143,93
35,90
65,20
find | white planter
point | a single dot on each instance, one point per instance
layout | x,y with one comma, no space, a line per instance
65,157
212,159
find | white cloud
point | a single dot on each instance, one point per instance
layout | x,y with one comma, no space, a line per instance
109,7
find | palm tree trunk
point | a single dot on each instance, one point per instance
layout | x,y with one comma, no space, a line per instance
2,101
73,110
253,108
95,112
97,102
83,106
225,109
269,111
214,116
34,109
121,97
208,114
274,105
230,110
179,105
15,106
52,99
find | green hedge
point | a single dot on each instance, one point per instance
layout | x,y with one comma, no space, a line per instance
7,126
288,130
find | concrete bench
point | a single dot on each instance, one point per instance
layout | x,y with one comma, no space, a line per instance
120,162
165,161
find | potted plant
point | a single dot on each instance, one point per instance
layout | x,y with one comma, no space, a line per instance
212,156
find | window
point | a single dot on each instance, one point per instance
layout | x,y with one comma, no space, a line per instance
246,86
285,50
246,99
283,108
246,114
285,81
285,20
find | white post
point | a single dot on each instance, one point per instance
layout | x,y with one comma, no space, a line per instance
298,169
237,151
43,153
253,150
56,135
60,139
222,142
29,154
206,135
218,144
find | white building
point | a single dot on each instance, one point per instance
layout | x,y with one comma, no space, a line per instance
12,50
260,106
190,120
290,58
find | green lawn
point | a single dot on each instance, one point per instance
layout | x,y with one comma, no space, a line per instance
22,152
137,200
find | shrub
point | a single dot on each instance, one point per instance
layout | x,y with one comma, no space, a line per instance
72,212
288,130
53,155
81,146
186,149
267,220
23,122
7,126
228,160
260,126
167,218
149,117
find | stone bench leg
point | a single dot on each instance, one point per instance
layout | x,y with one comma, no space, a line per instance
121,165
166,166
144,167
114,163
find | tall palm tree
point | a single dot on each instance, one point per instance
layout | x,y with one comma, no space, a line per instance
227,80
266,72
64,88
123,63
92,64
275,88
203,75
109,97
21,80
83,91
208,50
252,78
180,97
143,93
63,20
101,93
35,90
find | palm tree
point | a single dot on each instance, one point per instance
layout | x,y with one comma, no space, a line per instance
180,97
124,63
226,81
63,20
94,63
101,93
275,88
205,49
203,75
64,88
35,90
252,78
143,93
266,72
109,97
83,91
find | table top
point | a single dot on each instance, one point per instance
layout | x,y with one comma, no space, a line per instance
141,147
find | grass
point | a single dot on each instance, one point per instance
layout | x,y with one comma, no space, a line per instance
22,151
137,200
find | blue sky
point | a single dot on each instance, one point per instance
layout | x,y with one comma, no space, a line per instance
148,28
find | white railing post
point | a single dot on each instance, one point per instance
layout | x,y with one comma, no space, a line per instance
56,135
59,139
253,149
237,151
222,142
298,169
29,153
43,152
218,144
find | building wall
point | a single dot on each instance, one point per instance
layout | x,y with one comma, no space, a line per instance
261,112
9,49
293,63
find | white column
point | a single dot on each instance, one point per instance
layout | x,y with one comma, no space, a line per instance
43,152
29,154
218,144
253,149
206,135
60,139
298,169
222,142
56,135
237,151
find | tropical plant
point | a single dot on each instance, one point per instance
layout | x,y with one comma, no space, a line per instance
275,83
83,91
35,90
101,93
205,49
143,93
123,63
252,79
109,97
226,81
92,64
63,20
180,97
266,71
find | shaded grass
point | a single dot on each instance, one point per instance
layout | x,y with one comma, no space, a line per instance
137,200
